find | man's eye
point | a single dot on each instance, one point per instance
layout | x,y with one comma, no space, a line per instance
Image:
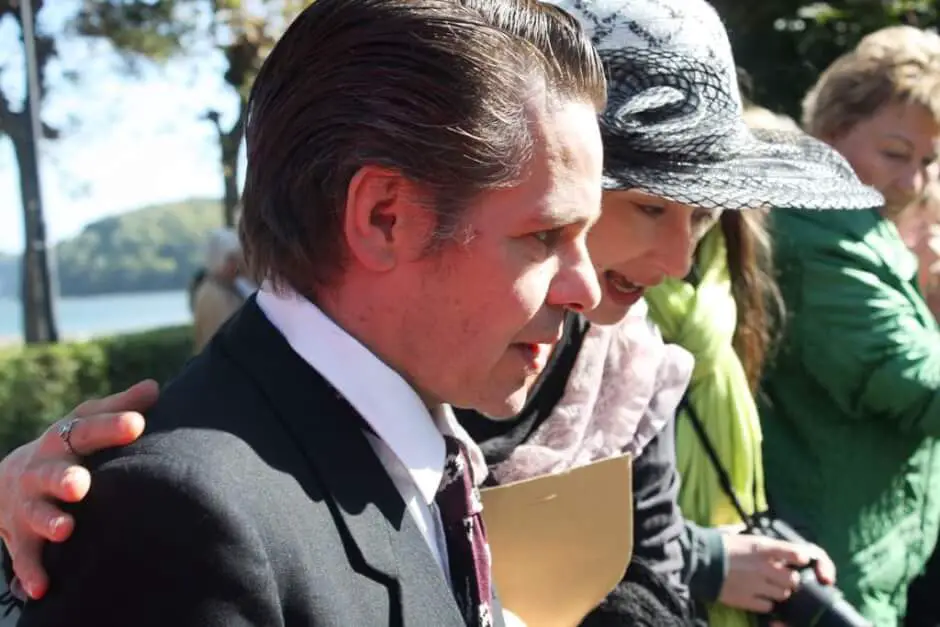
549,238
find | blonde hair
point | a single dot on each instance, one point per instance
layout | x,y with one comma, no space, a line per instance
760,118
900,41
898,64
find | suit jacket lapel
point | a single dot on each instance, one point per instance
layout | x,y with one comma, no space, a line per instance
328,430
420,572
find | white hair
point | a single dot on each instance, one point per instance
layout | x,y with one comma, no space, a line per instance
220,246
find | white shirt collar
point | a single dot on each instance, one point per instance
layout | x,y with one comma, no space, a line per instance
381,396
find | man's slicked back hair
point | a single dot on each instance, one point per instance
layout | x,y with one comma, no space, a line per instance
438,90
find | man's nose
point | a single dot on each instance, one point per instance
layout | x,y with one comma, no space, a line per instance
576,286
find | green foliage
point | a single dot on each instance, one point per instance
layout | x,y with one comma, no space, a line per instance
243,32
154,248
136,28
784,44
39,384
155,354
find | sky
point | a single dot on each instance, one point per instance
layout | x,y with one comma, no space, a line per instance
128,141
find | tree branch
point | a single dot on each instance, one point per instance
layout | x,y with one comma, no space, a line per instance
234,134
7,7
6,114
213,116
12,122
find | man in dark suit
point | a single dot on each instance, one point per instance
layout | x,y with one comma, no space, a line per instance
421,177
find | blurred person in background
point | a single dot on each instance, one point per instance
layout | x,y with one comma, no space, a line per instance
223,288
850,404
198,277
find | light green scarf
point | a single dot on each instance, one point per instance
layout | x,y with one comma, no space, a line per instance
702,319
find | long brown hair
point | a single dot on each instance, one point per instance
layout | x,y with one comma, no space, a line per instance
750,263
759,304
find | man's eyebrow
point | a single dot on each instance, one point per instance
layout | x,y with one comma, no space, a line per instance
562,216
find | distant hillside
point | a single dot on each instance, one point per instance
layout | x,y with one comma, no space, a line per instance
154,248
9,275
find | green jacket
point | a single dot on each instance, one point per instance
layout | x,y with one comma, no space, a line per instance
850,406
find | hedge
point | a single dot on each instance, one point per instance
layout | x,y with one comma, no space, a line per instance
40,384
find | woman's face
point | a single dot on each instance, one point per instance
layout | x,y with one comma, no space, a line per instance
894,151
638,241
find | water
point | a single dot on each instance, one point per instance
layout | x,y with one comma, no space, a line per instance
91,316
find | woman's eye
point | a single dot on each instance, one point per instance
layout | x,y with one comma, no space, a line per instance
652,211
704,218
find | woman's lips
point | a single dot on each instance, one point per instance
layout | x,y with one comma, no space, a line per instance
620,289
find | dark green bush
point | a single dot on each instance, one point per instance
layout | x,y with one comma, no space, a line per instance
40,384
157,354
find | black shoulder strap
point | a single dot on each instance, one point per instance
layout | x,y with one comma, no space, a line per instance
723,477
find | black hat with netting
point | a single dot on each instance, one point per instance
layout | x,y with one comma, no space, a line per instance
673,124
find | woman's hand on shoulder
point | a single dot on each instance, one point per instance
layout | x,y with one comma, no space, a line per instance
41,473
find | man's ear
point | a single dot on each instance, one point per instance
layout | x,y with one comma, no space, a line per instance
387,219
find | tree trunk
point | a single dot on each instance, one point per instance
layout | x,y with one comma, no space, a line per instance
230,177
39,323
230,142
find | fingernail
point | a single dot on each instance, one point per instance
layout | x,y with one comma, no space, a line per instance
70,479
71,475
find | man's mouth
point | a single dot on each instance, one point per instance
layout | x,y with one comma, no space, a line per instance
536,353
622,290
535,356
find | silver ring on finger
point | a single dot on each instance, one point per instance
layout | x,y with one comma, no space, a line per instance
64,431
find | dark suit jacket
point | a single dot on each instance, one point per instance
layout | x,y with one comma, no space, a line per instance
253,499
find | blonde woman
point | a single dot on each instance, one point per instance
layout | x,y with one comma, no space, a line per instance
851,403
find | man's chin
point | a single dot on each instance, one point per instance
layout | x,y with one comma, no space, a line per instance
505,408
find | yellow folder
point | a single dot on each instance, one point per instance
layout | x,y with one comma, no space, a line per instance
562,542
